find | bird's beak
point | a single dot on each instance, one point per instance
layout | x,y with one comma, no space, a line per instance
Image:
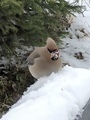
55,55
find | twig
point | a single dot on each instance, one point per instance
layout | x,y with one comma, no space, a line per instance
87,4
18,65
6,45
64,46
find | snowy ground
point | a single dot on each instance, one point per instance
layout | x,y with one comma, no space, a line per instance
63,95
78,42
76,52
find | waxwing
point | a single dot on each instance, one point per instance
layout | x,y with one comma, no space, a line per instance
44,60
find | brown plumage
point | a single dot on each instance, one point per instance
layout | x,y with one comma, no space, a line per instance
44,60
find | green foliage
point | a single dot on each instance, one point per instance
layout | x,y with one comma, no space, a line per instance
8,11
34,20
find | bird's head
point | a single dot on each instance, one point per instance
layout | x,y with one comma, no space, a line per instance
53,49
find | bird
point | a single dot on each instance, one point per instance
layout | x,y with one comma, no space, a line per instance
44,60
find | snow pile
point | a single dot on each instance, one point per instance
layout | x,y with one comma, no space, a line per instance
58,96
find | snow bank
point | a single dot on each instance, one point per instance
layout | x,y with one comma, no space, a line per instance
59,96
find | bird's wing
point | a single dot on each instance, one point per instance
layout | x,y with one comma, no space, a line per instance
35,54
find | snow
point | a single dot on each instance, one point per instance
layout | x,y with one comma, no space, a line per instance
61,95
78,41
58,96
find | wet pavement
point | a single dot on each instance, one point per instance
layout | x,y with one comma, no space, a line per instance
86,112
